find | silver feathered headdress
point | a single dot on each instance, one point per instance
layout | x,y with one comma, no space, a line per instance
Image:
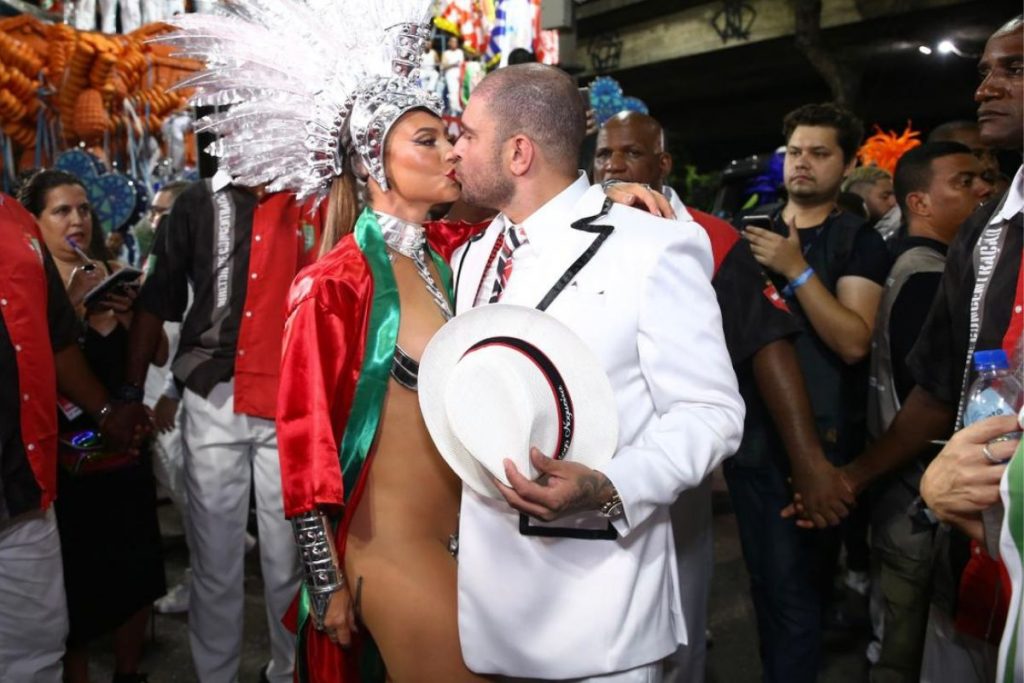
309,82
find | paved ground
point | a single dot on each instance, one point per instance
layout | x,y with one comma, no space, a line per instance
733,656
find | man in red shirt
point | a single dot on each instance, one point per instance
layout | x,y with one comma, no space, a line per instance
239,250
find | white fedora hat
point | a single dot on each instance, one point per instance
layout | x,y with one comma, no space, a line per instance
499,379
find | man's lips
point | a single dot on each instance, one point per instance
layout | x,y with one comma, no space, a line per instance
452,175
984,114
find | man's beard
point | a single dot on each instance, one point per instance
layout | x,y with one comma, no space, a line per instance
813,194
490,188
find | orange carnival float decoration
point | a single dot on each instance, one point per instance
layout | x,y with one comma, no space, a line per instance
84,87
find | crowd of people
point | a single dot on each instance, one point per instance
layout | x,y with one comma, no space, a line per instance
477,399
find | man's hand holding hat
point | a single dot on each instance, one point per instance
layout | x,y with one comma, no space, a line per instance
564,488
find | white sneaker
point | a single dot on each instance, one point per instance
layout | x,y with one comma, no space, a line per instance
176,600
250,542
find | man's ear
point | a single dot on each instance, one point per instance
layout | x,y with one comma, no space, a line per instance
664,168
920,204
850,165
523,154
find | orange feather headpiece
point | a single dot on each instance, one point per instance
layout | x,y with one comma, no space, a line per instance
884,149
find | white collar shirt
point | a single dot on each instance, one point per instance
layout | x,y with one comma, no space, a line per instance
220,180
1014,202
540,228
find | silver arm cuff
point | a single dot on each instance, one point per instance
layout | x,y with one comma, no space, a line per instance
314,537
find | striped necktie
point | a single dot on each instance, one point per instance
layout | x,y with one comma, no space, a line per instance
515,237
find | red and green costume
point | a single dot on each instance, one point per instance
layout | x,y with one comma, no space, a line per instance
340,336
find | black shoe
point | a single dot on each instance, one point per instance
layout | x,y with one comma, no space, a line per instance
263,673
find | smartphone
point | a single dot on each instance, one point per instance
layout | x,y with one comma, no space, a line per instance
117,282
585,96
763,221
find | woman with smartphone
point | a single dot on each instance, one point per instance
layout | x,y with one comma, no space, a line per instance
106,500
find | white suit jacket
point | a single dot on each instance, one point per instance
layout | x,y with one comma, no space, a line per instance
563,607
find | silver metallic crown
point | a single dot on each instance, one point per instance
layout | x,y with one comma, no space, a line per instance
377,107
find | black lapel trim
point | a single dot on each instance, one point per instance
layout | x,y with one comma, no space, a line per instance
603,232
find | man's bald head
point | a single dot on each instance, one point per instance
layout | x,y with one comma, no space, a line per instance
642,124
631,147
540,102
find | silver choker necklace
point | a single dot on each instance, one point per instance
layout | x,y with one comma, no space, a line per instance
408,239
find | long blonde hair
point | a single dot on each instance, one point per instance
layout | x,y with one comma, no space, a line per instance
343,208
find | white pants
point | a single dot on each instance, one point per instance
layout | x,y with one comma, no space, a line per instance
169,466
695,555
649,673
85,15
131,15
224,453
169,448
33,607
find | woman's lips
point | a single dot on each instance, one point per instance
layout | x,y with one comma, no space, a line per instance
451,175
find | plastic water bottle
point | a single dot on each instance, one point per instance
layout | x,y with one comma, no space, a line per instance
996,391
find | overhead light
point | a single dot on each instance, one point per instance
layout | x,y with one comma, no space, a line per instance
924,49
947,46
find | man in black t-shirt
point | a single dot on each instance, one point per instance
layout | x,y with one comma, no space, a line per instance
831,267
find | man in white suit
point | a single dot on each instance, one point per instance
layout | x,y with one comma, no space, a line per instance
597,597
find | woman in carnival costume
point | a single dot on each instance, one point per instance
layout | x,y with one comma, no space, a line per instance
325,99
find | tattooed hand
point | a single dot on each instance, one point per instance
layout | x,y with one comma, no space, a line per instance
563,488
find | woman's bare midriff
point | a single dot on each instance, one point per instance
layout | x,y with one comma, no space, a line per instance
397,557
411,495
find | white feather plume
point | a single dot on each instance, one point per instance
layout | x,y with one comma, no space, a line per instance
289,68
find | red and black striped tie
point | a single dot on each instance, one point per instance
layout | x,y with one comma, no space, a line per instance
514,238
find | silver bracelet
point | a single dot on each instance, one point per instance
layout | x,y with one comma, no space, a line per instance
104,412
313,536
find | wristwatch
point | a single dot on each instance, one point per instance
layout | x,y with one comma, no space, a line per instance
612,509
129,393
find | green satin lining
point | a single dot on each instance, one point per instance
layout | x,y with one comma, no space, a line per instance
381,338
371,387
1015,521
